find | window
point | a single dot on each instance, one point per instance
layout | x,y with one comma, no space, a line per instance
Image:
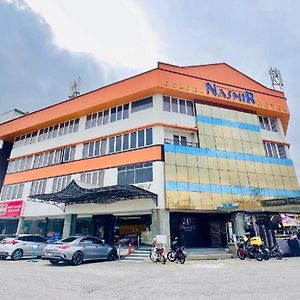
106,116
149,137
95,177
182,107
111,144
141,104
166,103
179,140
59,183
14,191
141,138
275,150
269,124
174,105
132,140
126,141
135,173
178,105
118,143
68,154
38,187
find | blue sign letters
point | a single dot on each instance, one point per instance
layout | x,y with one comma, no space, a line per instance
246,96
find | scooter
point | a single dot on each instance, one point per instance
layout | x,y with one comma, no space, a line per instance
157,254
243,252
178,254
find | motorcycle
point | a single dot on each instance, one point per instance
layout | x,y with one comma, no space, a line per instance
157,254
251,252
177,254
274,251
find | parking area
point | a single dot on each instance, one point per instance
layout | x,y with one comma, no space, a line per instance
217,279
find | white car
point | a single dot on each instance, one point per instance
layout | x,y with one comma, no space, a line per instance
22,245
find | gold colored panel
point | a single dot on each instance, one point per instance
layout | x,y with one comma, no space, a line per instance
215,111
287,183
232,115
181,159
191,160
224,114
259,168
214,177
236,134
237,145
262,180
271,181
170,173
206,198
252,136
170,158
283,170
246,147
206,110
171,199
220,145
184,200
202,140
250,167
267,168
222,163
294,183
193,175
275,169
232,166
227,132
203,176
229,146
210,142
224,177
202,161
241,117
253,180
212,163
245,136
241,165
209,129
234,178
279,182
227,198
218,131
217,200
291,171
195,199
182,175
243,178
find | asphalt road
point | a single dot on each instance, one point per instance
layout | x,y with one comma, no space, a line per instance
220,279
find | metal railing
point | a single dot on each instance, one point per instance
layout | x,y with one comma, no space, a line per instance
181,143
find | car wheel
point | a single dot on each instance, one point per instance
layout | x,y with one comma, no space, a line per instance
77,258
17,254
2,257
112,255
54,261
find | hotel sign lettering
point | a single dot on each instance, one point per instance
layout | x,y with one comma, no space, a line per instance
245,96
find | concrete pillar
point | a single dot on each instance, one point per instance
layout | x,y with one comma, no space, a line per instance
69,225
161,224
238,223
20,228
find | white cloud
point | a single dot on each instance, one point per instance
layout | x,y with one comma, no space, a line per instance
116,32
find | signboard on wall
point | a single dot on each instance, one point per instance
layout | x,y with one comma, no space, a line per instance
11,208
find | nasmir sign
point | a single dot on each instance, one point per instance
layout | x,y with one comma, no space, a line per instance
246,96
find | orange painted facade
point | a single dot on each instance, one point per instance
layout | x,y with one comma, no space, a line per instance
109,161
185,82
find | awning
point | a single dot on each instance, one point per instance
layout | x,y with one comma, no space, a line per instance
78,193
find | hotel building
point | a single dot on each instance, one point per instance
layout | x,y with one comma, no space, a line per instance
197,152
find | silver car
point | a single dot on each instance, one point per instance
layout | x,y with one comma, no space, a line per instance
22,245
76,249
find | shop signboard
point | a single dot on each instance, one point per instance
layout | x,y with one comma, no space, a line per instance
11,208
280,202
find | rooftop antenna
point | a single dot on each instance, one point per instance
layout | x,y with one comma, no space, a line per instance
276,79
75,88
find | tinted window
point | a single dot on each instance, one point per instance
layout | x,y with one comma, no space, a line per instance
68,239
141,104
40,239
166,103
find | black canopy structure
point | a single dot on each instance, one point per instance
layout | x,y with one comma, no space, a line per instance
76,194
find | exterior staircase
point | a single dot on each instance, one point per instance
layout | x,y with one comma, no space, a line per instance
140,254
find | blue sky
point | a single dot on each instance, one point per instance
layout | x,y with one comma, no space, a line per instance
46,44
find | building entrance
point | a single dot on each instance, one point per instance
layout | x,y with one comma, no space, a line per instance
199,230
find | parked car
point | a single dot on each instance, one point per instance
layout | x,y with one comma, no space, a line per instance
76,249
129,239
22,245
4,236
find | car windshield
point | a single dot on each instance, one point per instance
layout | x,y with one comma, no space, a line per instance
69,239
